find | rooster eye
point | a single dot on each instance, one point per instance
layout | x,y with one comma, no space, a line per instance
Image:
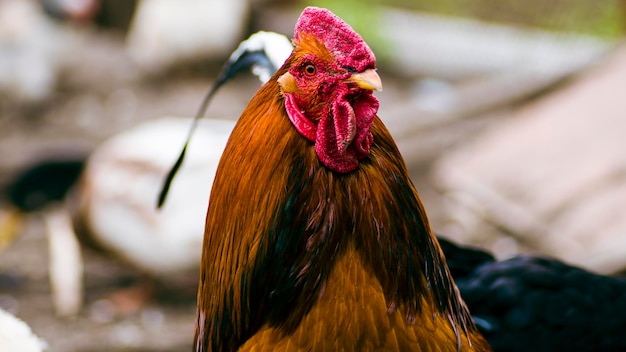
309,70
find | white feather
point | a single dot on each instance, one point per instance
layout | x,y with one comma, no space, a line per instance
276,46
16,335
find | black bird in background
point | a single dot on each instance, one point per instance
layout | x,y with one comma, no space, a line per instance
531,303
46,181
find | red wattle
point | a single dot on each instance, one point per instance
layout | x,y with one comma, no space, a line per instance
342,136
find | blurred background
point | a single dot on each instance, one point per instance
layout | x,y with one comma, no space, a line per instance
510,115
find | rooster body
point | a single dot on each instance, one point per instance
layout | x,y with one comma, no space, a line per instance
352,313
315,237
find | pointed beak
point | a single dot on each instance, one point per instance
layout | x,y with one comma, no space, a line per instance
367,79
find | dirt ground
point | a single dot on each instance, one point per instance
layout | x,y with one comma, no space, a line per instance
98,94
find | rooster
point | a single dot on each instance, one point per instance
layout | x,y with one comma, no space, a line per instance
559,306
315,236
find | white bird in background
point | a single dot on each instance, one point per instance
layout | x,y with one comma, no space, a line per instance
115,201
113,204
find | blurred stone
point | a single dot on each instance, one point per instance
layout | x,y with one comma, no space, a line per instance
461,48
554,176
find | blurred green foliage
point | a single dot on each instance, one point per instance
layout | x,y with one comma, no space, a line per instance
602,18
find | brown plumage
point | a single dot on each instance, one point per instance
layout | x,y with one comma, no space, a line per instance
311,251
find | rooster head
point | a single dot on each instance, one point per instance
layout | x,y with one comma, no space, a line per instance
328,88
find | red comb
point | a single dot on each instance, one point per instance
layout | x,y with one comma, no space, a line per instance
338,37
